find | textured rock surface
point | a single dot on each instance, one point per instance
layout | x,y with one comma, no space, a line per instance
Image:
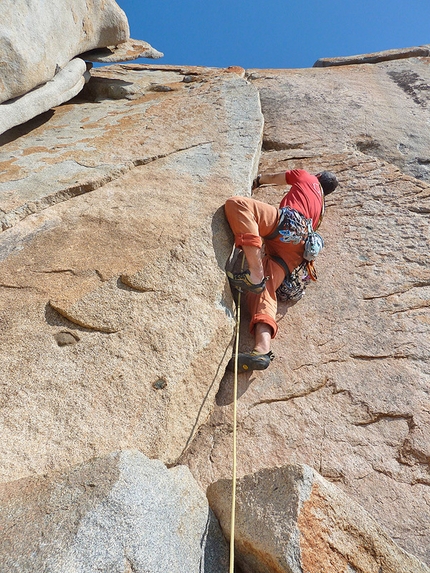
348,393
380,110
32,49
123,257
120,513
291,520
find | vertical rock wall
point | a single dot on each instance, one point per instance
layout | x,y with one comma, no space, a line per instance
348,390
116,318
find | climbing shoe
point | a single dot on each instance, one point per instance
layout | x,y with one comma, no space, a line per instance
241,282
248,361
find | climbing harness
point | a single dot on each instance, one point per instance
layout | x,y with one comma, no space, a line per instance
294,284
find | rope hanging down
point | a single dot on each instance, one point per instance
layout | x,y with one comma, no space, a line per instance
233,493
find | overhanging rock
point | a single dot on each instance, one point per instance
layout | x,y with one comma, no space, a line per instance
38,38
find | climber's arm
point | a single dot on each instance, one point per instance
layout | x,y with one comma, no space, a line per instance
269,179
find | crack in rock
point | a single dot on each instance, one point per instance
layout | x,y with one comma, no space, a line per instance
370,357
139,162
376,417
425,304
19,287
420,210
54,271
420,284
291,396
11,218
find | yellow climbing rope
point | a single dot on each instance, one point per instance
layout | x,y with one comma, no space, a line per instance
233,492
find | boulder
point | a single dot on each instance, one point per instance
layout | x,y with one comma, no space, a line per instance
347,393
119,513
289,520
115,242
32,49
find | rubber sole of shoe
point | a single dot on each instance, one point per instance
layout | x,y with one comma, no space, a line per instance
249,361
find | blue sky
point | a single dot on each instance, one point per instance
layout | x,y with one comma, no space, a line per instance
274,33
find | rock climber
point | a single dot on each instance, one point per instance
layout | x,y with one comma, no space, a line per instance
283,232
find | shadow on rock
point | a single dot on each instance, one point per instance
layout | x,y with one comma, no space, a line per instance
222,237
225,395
25,128
54,318
199,413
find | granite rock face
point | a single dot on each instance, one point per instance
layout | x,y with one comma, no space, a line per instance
116,241
348,391
115,313
380,110
289,520
120,513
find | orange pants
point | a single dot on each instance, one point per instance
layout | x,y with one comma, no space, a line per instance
251,220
